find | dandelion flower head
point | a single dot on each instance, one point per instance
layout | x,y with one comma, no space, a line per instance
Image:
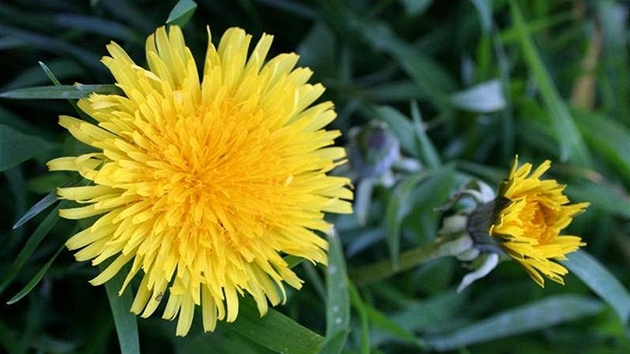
530,213
202,181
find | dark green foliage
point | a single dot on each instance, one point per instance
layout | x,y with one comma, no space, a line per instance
463,85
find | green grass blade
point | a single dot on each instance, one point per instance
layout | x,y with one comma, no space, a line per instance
426,150
601,281
36,238
360,307
35,280
181,13
17,147
40,206
609,138
426,73
274,330
396,210
534,316
126,322
571,144
400,125
338,300
55,81
60,92
391,327
601,196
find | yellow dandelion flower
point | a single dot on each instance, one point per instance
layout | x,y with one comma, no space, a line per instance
204,183
529,215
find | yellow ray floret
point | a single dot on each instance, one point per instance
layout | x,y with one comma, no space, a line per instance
204,183
529,224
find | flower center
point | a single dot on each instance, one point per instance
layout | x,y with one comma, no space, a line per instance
535,220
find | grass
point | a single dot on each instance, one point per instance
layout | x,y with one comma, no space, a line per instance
461,86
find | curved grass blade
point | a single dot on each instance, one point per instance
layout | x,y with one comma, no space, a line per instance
55,81
601,281
125,322
338,299
61,92
396,211
44,203
274,331
566,132
181,13
35,280
40,206
427,152
32,243
534,316
360,307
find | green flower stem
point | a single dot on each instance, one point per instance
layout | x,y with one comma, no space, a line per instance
442,247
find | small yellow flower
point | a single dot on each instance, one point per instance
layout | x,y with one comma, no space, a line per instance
530,213
203,181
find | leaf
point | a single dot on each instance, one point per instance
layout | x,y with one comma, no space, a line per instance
61,92
396,210
36,238
274,330
572,146
293,261
40,206
17,147
601,281
338,299
484,8
35,280
486,97
106,28
416,7
426,150
125,321
384,322
361,309
430,77
400,125
534,316
181,13
602,197
609,138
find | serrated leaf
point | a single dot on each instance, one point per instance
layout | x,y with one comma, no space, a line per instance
274,330
31,245
337,299
534,316
35,280
181,13
17,147
61,92
125,322
601,281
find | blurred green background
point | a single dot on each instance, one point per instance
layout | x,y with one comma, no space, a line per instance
462,86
